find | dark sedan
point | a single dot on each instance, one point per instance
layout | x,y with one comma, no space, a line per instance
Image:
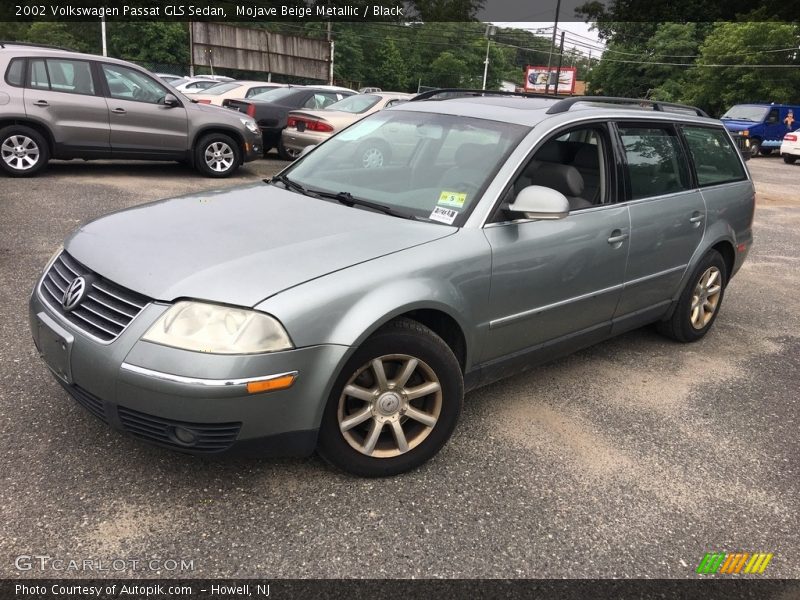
271,109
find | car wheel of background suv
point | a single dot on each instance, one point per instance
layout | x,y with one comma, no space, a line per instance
217,155
23,151
395,403
699,302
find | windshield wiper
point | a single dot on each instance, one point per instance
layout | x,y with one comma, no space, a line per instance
290,184
348,199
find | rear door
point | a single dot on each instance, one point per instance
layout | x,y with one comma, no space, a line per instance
141,124
63,93
667,214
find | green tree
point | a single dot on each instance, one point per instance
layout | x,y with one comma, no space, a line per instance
716,88
447,71
389,70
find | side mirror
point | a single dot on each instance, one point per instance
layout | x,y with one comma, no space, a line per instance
306,150
171,100
538,202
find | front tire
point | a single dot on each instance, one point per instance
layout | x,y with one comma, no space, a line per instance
700,301
755,147
395,403
789,159
217,155
23,151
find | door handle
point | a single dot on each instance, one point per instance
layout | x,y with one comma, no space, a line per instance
119,111
41,103
617,236
696,219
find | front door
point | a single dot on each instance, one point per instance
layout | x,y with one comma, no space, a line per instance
141,124
562,279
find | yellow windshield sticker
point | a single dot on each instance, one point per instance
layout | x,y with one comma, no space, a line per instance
454,199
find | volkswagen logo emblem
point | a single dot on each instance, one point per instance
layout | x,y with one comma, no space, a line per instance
74,294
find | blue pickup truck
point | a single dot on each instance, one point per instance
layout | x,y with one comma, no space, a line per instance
764,125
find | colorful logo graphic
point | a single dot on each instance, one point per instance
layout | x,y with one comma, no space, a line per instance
734,563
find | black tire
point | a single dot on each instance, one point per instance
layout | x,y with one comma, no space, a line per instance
393,344
683,326
765,151
224,156
755,147
19,145
287,153
789,159
374,154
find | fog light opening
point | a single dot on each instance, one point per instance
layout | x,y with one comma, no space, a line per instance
184,436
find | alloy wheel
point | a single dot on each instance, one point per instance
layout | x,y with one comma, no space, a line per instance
706,297
390,405
219,156
20,152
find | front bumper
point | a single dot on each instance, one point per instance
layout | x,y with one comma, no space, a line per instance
188,401
253,147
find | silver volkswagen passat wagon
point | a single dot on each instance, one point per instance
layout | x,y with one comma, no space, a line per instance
346,307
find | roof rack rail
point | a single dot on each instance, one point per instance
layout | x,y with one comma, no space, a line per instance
567,103
461,93
33,45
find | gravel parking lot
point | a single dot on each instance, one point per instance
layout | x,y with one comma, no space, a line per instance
630,459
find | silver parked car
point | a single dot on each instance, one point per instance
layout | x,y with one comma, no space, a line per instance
61,104
348,309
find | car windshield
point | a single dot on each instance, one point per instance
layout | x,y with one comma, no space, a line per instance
355,104
423,165
276,94
221,88
743,112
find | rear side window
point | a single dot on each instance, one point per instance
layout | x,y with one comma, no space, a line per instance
656,161
715,159
61,75
14,73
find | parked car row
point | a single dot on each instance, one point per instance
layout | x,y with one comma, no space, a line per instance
764,128
64,105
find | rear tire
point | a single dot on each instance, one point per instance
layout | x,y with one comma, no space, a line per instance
789,159
287,153
23,151
394,404
217,155
700,301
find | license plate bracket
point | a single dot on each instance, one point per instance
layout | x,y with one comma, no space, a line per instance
55,346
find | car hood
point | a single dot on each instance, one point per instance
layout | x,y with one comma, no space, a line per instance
238,246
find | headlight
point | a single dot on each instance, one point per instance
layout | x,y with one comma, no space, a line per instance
250,124
218,329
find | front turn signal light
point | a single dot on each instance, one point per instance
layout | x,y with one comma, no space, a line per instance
271,385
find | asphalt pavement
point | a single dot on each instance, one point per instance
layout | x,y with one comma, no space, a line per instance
630,459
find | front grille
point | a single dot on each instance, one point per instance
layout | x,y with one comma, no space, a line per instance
87,400
106,310
209,437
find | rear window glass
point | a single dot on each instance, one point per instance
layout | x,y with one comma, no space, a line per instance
61,75
14,72
715,159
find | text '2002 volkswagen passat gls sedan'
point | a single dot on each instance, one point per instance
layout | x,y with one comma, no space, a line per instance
347,309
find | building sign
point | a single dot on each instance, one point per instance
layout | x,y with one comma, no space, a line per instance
536,79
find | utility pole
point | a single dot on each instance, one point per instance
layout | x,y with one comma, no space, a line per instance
550,53
489,31
191,50
103,35
560,58
331,44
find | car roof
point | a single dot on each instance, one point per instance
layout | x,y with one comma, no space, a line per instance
531,111
31,50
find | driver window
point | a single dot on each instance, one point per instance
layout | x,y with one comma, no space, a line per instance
772,118
128,84
573,163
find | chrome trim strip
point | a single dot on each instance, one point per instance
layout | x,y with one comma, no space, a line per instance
200,381
654,275
529,313
533,311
